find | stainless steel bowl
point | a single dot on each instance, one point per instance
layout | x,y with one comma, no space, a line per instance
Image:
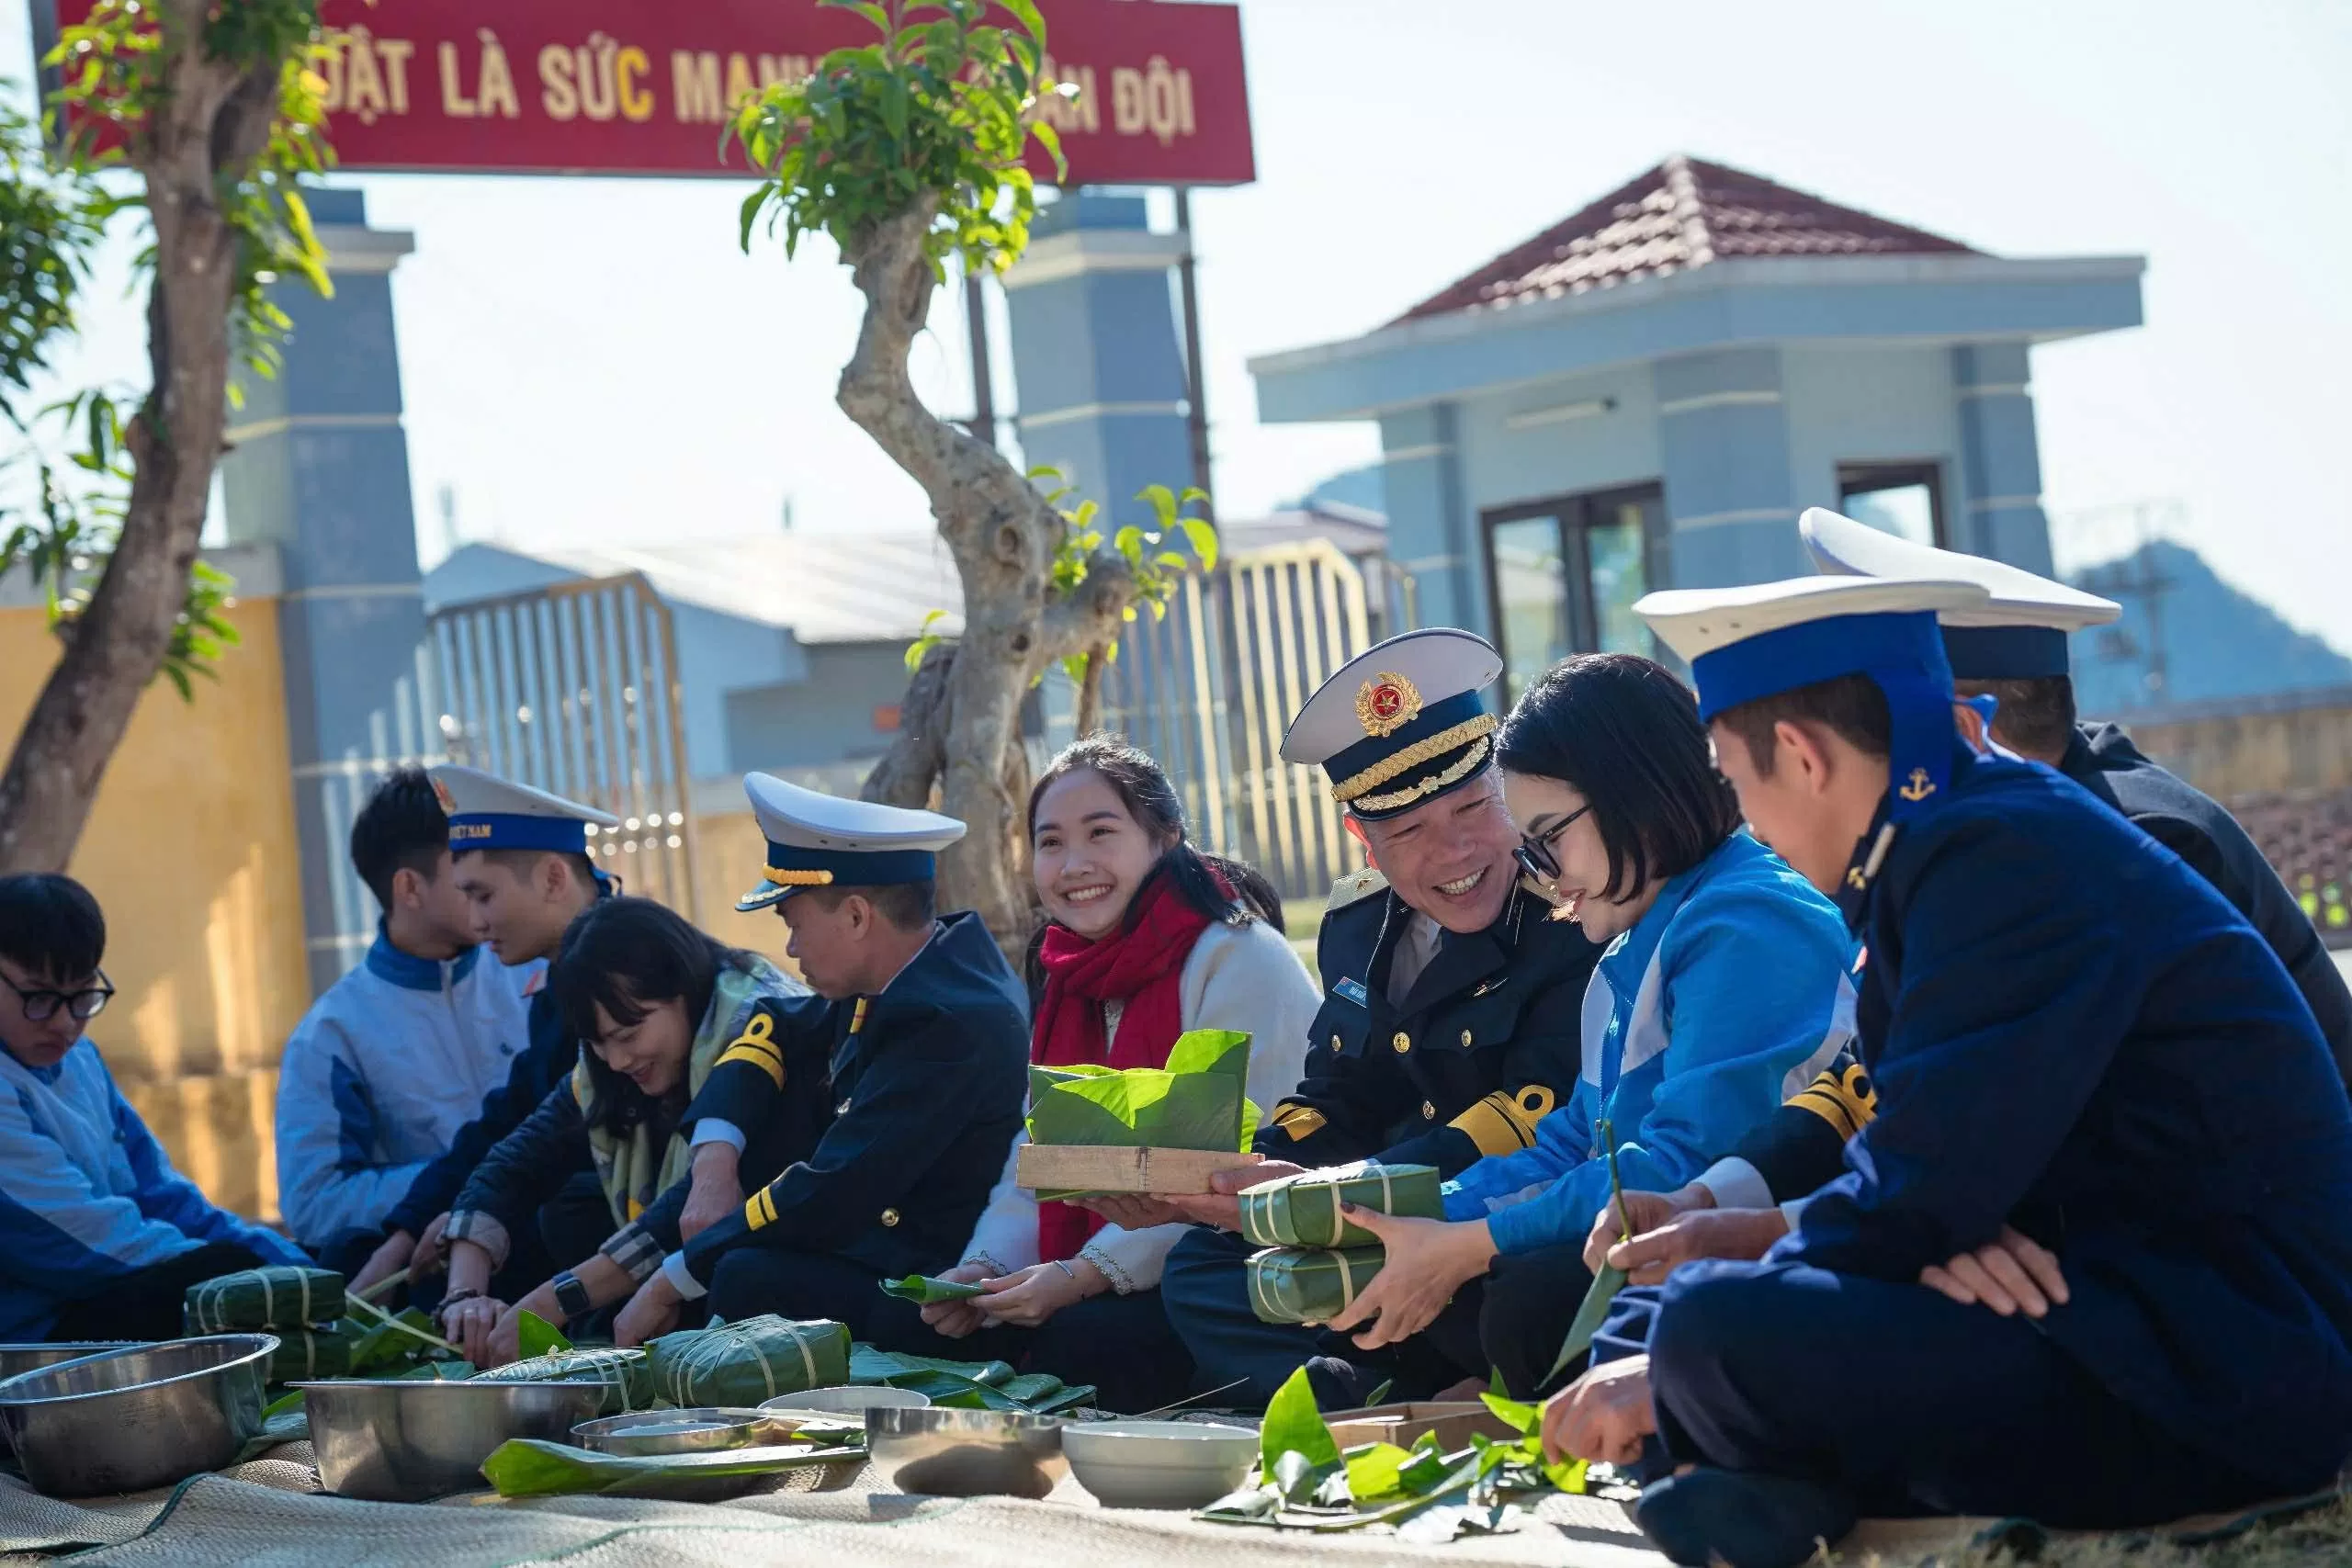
705,1430
17,1359
127,1420
965,1453
403,1442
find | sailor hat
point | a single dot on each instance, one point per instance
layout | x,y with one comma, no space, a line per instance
486,812
2019,634
1401,723
822,840
1743,644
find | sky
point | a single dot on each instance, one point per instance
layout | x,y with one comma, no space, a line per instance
591,360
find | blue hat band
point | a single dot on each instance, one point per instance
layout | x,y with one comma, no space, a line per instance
1901,651
1373,749
793,866
507,831
2006,653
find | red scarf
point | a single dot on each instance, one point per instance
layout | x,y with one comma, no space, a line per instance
1141,966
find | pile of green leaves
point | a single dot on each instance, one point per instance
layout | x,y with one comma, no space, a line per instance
937,109
532,1467
968,1386
1196,1101
1304,1481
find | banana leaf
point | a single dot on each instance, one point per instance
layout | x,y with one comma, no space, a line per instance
532,1467
746,1362
1608,1282
1296,1285
926,1291
1196,1101
254,1300
1304,1210
968,1386
305,1353
626,1375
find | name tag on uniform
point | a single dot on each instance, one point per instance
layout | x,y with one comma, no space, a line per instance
1354,990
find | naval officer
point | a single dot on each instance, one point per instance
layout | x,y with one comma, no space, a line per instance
1452,1018
521,858
2011,649
2074,1037
925,1031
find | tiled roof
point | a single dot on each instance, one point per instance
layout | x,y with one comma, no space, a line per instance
1682,214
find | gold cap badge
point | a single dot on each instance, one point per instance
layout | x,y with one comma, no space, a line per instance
441,793
1387,702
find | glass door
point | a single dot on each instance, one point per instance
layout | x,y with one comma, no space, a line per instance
1564,575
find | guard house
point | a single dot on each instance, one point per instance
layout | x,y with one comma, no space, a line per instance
1647,394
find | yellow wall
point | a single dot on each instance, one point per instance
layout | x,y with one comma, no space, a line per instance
190,847
729,850
2306,748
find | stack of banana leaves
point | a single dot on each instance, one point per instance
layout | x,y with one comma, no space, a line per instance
1305,1482
1196,1101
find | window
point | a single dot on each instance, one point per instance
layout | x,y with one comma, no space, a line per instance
1906,500
1563,577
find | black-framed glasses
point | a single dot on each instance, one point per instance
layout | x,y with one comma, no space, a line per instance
1534,854
41,1005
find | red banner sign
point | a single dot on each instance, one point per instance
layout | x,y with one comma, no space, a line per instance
644,87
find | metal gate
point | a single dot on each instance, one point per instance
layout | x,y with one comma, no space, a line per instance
1210,687
574,689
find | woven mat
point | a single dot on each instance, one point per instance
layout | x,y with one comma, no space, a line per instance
271,1511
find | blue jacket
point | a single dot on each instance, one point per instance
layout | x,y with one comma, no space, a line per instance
1725,998
380,1075
88,1195
2070,1030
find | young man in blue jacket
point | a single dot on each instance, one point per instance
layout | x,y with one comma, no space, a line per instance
2075,1040
99,1236
397,1056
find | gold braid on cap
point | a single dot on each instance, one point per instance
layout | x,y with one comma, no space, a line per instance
799,878
1348,791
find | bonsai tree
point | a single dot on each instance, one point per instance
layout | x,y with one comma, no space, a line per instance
908,153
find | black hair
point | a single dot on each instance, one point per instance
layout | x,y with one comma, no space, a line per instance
402,828
2035,716
1849,706
1212,884
1624,734
51,927
520,864
627,956
909,905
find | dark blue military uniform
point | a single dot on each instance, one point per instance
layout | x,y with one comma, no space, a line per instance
928,1082
1485,1043
2070,1032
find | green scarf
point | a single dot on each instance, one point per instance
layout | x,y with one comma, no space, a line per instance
630,1171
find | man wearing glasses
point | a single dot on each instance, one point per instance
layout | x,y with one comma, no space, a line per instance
99,1236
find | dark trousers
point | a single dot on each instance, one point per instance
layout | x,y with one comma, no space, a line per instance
145,1303
750,1280
1123,1346
1909,1403
1528,1304
1206,1286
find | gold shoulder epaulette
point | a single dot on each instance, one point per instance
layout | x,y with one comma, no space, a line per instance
1356,887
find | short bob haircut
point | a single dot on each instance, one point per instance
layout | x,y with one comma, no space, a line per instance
51,927
627,956
1623,733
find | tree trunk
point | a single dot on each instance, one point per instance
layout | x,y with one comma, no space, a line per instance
1089,691
961,722
208,118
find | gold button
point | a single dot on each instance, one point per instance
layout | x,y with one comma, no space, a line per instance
1335,1042
1465,1038
1403,1043
1429,1112
890,1216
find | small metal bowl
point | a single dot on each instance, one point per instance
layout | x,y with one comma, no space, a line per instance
850,1403
403,1442
706,1429
16,1360
965,1453
127,1420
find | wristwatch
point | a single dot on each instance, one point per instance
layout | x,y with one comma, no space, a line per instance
571,1296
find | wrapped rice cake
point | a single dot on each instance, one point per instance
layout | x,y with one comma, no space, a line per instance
1304,1210
744,1363
1292,1285
625,1374
257,1299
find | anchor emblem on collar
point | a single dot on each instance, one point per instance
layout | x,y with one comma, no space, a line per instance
1920,788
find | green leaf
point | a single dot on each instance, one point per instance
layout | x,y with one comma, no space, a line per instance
532,1467
535,1336
1293,1425
1032,22
1588,1319
1128,542
925,1290
1223,1051
1376,1472
867,8
1162,501
750,213
1520,1418
1202,535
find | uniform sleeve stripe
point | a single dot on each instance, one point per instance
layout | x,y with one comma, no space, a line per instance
1846,1102
761,1056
